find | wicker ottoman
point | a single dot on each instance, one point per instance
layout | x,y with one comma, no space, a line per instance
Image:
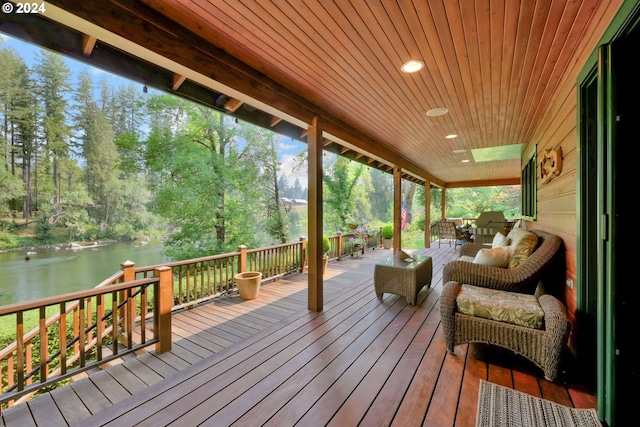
400,277
541,346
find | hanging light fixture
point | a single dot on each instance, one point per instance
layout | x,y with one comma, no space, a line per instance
145,89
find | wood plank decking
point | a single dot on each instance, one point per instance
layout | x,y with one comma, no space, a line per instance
270,361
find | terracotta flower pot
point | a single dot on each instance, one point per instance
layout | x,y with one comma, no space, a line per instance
248,284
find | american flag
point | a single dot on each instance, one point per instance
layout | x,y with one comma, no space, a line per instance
403,216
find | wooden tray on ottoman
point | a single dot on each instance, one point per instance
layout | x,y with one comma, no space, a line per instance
403,277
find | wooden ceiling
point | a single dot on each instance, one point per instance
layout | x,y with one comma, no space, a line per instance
493,64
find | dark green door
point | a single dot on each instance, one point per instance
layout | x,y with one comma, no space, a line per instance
623,322
608,226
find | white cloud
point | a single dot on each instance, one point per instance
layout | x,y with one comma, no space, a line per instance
287,162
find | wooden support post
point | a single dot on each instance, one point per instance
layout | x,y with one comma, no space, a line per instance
303,253
443,204
427,214
128,312
242,263
397,208
163,303
340,243
315,145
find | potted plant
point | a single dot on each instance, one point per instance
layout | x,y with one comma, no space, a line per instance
352,220
326,247
387,236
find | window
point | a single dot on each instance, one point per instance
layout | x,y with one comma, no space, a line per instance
529,185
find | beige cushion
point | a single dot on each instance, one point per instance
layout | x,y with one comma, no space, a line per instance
497,257
499,240
503,306
523,243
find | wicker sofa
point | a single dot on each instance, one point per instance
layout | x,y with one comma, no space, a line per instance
541,346
544,266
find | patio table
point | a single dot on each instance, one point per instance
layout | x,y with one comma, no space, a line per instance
403,277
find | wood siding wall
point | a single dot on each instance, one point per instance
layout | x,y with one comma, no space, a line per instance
557,202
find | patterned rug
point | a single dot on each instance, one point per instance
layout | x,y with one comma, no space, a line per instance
500,406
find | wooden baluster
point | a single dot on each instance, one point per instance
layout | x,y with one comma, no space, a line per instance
180,288
209,278
187,280
44,346
81,333
62,337
76,345
20,350
89,320
143,314
114,320
28,362
202,293
11,379
99,325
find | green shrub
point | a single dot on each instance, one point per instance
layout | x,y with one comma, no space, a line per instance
44,230
326,246
387,232
8,241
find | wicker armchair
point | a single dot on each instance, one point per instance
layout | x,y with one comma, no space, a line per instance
544,264
541,346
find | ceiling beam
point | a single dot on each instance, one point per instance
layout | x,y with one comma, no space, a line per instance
232,105
484,183
88,43
177,81
274,121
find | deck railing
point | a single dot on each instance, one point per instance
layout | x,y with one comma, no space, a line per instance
43,356
88,329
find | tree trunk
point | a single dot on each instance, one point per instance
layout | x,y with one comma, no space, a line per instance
408,197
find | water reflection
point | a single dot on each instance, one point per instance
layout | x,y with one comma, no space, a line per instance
42,272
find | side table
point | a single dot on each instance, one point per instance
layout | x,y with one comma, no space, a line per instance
403,277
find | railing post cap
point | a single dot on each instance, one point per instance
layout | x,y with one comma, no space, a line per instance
303,237
163,268
127,263
242,247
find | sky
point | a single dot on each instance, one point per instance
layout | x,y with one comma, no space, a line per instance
287,148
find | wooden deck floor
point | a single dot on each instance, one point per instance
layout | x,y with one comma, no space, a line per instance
270,361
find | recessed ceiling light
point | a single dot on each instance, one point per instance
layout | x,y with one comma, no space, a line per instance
437,112
451,136
412,66
459,151
465,161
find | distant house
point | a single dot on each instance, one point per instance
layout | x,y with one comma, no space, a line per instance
300,202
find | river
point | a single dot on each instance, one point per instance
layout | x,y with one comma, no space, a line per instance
42,272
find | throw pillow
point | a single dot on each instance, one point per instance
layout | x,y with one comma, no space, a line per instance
496,257
523,245
499,241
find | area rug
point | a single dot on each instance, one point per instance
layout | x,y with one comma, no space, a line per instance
500,406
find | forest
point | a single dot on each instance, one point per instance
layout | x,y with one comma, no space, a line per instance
86,161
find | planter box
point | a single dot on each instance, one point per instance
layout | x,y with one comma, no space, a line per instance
248,284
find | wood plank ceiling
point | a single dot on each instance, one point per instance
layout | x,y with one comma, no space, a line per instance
493,64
